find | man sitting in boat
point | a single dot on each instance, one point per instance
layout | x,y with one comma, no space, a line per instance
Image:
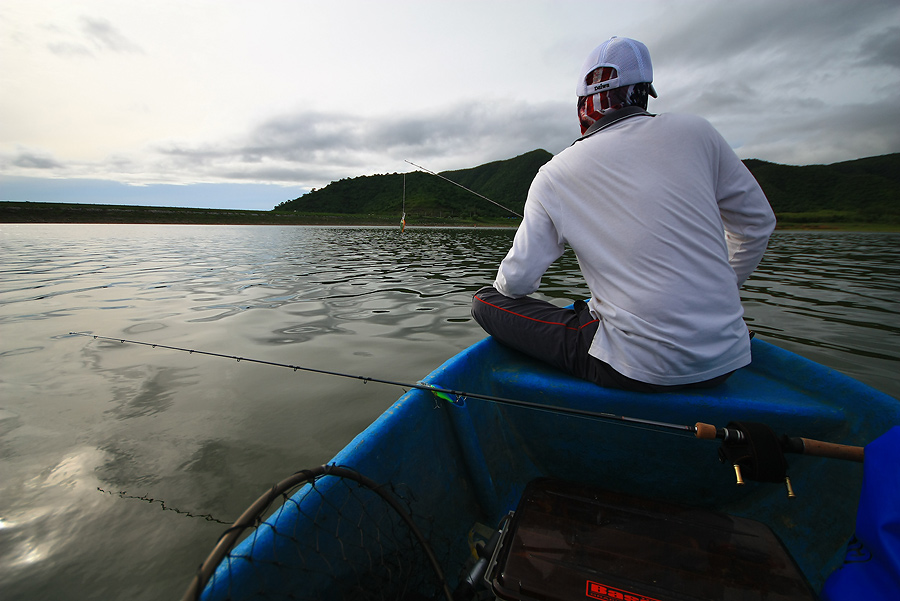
666,222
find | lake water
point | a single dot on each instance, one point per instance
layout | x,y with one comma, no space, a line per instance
120,463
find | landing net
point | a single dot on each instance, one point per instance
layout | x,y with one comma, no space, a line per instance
328,533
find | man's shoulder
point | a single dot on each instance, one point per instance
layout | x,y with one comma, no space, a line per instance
686,126
683,119
559,161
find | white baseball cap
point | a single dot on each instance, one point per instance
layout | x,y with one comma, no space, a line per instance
628,57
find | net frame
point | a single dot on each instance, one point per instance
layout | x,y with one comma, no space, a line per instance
293,490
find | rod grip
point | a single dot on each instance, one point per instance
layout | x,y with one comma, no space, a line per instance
705,431
817,448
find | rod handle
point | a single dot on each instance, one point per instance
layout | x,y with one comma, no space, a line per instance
818,448
705,431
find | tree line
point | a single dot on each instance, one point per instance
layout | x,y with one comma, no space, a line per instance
864,191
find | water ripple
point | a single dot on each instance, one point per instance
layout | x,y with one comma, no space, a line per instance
78,416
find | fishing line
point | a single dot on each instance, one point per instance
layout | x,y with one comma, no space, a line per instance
466,189
403,210
123,494
455,397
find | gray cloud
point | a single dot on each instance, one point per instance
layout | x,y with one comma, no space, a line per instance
781,48
33,160
792,82
94,34
313,148
794,31
69,49
850,131
882,48
103,35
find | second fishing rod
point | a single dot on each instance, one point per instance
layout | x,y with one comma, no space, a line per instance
478,194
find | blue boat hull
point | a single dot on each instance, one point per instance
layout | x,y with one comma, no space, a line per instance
468,463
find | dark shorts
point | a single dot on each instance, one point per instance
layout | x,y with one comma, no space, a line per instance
558,336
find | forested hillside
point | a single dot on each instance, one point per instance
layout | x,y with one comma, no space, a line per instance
504,182
863,190
866,190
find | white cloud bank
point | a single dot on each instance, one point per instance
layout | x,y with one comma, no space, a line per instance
298,94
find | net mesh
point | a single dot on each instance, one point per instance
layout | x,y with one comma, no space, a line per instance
327,534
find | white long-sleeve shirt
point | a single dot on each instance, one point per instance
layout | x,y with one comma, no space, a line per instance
667,224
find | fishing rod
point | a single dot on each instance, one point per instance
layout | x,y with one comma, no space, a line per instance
455,397
466,189
730,435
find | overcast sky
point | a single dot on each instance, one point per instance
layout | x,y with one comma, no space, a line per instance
129,102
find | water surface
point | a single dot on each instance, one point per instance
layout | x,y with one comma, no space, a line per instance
119,461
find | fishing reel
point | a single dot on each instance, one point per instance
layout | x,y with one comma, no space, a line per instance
756,453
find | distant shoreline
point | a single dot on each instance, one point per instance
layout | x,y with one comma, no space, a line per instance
49,212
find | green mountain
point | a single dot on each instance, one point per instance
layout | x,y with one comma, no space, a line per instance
504,182
863,190
866,190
